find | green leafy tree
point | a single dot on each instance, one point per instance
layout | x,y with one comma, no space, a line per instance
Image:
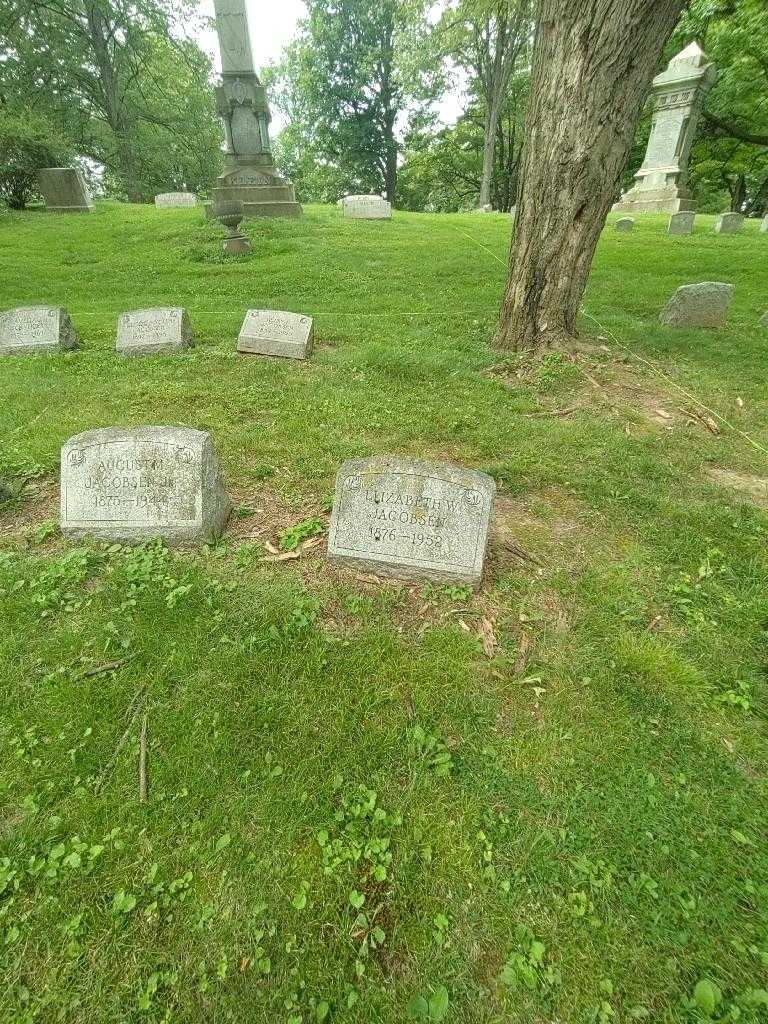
730,158
349,85
121,86
443,169
28,141
490,40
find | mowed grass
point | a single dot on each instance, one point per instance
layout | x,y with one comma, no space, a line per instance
542,803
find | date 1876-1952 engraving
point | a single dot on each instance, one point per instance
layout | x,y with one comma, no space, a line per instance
407,518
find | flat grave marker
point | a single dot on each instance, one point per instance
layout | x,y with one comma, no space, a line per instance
137,484
411,519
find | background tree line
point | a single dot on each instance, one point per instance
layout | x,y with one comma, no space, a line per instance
117,83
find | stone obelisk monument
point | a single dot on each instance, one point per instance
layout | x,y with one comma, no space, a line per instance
241,101
678,95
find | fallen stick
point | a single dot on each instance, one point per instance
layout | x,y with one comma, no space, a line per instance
109,666
143,761
121,742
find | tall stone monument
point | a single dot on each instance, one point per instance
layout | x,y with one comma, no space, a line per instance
678,95
241,101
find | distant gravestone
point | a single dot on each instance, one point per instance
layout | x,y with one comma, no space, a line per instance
625,224
144,332
513,214
764,320
764,223
729,223
681,223
64,190
411,519
367,208
172,199
138,484
36,329
273,332
698,305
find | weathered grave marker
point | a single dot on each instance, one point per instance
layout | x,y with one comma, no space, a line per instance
625,224
36,329
411,519
678,98
698,305
275,332
64,190
681,223
764,223
174,199
137,484
367,208
143,332
729,223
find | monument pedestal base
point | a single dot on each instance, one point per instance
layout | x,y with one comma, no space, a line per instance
651,200
260,189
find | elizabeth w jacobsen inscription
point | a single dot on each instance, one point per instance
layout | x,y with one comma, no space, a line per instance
411,519
136,485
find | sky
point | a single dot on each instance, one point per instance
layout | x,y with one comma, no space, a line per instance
272,26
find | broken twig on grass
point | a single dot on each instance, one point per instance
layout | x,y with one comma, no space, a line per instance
522,654
109,666
708,422
132,707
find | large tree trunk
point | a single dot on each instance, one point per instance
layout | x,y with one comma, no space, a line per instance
592,67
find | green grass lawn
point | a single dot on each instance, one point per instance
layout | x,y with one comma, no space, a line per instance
545,802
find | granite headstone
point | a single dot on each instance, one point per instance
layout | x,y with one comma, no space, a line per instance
411,519
173,199
275,332
367,208
36,329
698,305
64,190
681,223
729,223
625,224
144,332
136,484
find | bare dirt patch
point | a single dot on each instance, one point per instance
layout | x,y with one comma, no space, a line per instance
755,488
36,503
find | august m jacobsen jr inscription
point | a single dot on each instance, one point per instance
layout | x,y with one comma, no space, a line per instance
411,519
138,484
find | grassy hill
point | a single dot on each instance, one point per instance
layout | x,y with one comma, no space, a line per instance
542,802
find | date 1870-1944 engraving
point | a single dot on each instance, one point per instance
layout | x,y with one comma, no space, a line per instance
142,483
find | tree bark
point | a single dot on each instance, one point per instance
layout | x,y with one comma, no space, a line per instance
593,61
112,100
489,150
